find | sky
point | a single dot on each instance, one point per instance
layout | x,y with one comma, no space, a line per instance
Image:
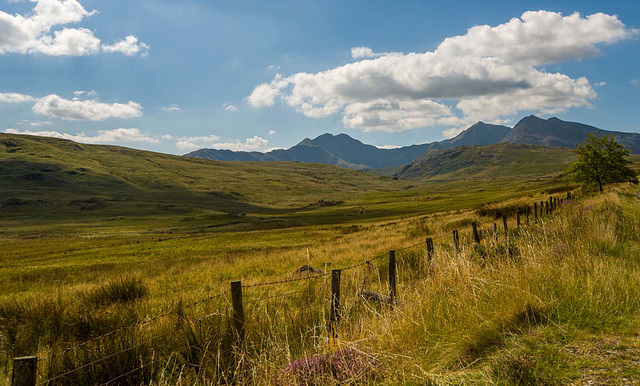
175,76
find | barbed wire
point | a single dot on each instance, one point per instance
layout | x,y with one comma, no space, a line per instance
226,309
480,229
127,374
103,358
311,277
275,296
411,246
134,325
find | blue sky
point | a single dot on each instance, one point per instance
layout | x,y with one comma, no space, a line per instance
173,76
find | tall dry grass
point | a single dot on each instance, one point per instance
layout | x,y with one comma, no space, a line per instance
471,317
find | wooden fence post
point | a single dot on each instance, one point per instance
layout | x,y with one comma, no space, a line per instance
504,223
476,236
535,211
25,370
430,254
517,219
334,317
541,208
568,195
495,233
238,311
456,242
392,275
546,207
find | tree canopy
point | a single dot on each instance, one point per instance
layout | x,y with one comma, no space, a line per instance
601,161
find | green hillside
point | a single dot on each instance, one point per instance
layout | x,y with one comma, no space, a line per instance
53,177
484,162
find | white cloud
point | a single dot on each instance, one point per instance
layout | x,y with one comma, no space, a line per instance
172,108
87,110
487,74
129,46
366,52
229,107
389,115
212,141
12,97
272,132
389,147
633,81
40,123
190,143
102,136
44,31
273,67
600,84
88,94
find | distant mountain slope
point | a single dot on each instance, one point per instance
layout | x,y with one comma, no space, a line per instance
343,150
480,162
554,132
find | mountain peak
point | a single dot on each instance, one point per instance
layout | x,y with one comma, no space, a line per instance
305,142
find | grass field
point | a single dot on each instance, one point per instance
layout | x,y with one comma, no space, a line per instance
557,304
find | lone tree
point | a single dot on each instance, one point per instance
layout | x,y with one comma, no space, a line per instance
601,160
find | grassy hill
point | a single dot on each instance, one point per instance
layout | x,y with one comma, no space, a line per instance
484,162
59,177
96,239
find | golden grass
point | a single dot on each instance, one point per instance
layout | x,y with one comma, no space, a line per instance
571,275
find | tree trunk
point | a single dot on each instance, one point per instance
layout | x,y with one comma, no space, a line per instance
600,186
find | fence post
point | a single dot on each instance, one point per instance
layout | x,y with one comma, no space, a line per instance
504,223
430,254
25,370
495,233
456,242
392,275
335,302
546,207
535,211
541,208
568,195
476,236
238,311
517,219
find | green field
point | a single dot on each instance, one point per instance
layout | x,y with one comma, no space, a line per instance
95,238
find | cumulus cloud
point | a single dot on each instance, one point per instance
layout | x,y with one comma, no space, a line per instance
85,110
129,46
366,52
229,107
102,136
600,84
487,74
12,97
272,132
88,94
212,141
44,31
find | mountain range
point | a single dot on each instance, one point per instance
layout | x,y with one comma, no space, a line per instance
343,150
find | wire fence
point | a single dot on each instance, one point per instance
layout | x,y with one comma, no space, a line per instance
490,231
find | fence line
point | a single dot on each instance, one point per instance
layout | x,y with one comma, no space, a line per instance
550,206
134,325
